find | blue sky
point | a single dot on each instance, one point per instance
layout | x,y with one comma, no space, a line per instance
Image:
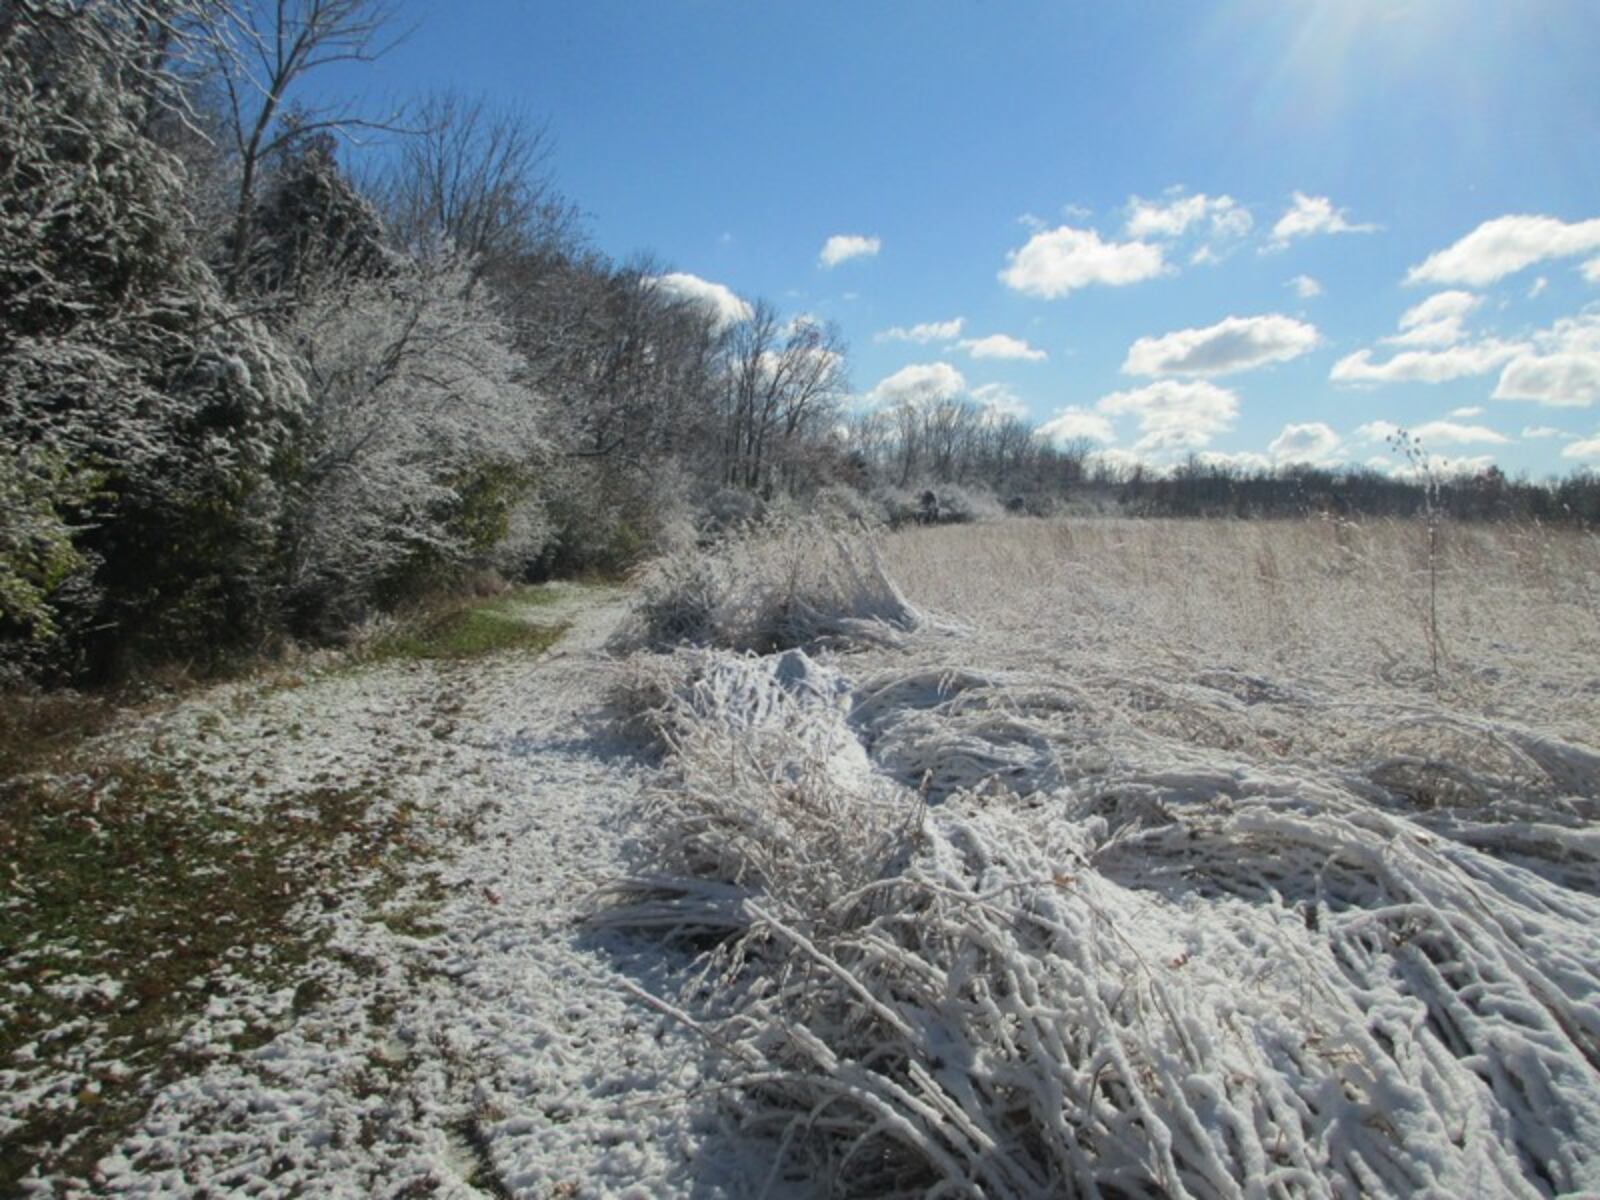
1268,228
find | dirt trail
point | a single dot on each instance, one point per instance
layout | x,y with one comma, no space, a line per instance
463,1036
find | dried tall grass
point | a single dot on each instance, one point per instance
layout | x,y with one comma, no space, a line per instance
1106,899
796,582
1330,602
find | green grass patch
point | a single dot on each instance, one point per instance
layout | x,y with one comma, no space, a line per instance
471,630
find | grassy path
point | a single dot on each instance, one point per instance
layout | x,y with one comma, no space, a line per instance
242,935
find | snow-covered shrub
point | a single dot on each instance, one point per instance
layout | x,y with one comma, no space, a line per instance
609,521
1035,504
958,505
773,586
151,419
897,506
420,442
731,507
767,801
842,504
935,504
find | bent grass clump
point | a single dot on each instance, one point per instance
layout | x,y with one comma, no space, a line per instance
799,583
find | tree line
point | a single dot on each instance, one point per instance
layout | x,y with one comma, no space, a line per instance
249,391
254,386
951,458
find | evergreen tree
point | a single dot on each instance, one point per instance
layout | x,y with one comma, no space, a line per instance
143,422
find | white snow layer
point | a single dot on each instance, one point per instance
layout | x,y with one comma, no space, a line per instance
504,1048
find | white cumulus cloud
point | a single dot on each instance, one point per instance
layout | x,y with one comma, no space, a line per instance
1579,334
1073,423
1564,372
724,306
1591,270
1505,246
1426,366
1221,216
1470,410
1001,345
1588,448
1313,443
1056,261
1305,287
928,331
1232,344
1561,380
1452,433
1174,414
844,246
1531,432
1436,321
1308,216
920,383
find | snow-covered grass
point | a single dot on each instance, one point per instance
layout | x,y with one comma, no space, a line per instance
1164,865
188,882
131,898
789,583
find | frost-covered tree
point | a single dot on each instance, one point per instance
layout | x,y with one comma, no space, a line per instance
258,51
312,227
141,418
783,382
475,181
422,447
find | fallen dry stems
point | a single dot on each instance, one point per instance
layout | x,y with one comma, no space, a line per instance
798,583
1128,948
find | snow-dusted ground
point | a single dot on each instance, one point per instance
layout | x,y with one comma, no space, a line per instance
1158,858
491,1044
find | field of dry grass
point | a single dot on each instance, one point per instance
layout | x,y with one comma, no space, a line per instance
1518,607
1160,858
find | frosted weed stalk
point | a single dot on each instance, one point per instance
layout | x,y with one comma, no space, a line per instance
1422,466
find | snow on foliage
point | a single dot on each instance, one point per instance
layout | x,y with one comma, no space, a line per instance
792,583
142,416
414,404
1037,930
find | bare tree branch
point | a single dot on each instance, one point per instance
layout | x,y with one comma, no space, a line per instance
260,49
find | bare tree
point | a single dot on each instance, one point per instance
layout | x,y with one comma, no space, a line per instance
783,382
259,50
477,180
